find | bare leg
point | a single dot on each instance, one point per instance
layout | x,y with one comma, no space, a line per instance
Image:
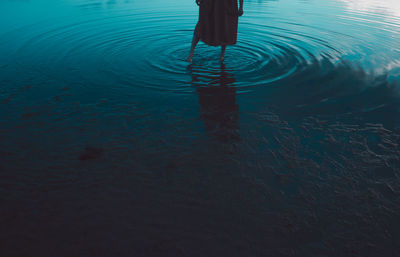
195,40
223,47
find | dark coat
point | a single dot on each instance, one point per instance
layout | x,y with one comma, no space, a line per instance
218,22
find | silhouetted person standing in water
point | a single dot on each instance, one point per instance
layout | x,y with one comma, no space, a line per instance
217,25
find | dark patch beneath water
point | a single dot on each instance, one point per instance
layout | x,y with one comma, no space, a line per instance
91,153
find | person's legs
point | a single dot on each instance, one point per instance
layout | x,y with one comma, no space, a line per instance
195,40
223,47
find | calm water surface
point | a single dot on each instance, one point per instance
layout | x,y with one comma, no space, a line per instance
112,145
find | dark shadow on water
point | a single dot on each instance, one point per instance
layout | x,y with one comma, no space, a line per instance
218,107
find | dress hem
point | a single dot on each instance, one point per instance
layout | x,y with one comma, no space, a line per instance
217,44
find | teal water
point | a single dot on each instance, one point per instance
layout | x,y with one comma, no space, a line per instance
112,145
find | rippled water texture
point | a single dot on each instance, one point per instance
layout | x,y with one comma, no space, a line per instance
112,145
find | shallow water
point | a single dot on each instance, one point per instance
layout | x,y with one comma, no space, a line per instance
112,145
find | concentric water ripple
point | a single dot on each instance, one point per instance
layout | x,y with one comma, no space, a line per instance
120,44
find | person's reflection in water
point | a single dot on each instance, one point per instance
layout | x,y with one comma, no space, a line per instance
218,107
